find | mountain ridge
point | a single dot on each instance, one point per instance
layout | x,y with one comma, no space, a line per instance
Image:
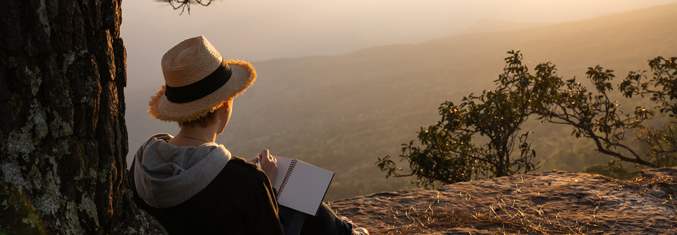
497,25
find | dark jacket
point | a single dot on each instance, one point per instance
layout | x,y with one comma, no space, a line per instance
237,200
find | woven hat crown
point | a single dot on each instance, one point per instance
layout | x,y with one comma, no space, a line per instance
189,61
201,81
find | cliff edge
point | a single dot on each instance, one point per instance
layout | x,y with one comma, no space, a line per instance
555,202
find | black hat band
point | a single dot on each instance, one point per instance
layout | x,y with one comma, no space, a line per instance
202,88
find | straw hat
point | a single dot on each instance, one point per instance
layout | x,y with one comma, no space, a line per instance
197,81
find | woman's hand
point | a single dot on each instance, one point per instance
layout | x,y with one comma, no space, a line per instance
268,164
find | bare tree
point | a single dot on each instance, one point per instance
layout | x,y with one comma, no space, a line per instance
185,4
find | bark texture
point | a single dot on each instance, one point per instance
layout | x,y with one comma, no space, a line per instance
62,126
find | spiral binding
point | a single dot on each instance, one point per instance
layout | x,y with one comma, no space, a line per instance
286,177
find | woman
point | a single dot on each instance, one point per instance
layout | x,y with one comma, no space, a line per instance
194,186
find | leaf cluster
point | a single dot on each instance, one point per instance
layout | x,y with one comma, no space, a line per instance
661,87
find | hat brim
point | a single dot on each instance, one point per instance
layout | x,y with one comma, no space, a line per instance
243,75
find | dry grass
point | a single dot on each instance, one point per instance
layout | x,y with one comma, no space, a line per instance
504,218
566,213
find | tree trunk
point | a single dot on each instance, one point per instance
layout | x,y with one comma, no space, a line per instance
62,126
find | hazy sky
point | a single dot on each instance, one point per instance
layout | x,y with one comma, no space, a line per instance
258,30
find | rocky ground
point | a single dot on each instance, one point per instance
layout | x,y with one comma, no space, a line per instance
554,202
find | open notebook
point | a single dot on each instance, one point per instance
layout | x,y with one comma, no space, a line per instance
301,186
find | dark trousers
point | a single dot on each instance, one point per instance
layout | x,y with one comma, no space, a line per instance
325,222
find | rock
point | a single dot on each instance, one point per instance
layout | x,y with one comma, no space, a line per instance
553,202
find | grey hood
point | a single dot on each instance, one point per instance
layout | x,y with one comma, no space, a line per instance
166,175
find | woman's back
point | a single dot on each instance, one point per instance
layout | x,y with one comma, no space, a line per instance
237,201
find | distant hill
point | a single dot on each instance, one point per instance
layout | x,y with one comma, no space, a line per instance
342,112
495,25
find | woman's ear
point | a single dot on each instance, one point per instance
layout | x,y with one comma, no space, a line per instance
228,104
223,112
224,115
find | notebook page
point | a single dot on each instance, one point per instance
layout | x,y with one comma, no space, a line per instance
306,187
